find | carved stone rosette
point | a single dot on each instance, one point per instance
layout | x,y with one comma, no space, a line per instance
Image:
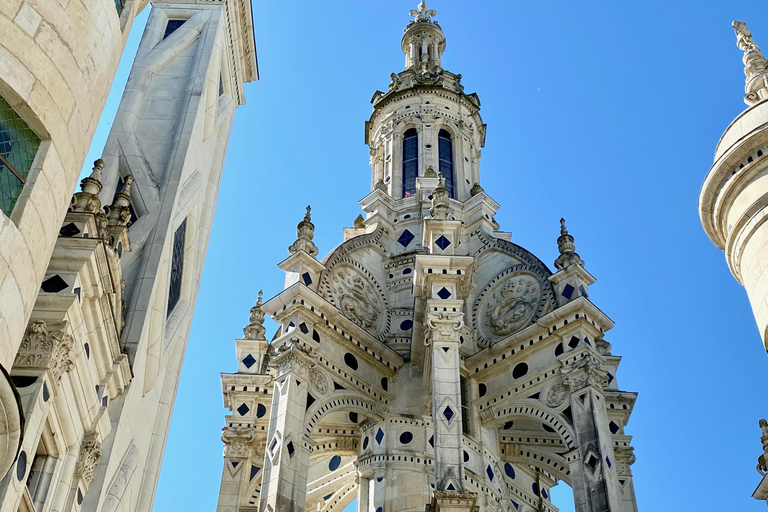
46,348
237,441
90,452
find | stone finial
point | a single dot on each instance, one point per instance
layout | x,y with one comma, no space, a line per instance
567,248
755,65
119,212
305,232
423,14
88,199
359,222
430,172
476,189
762,463
255,329
440,197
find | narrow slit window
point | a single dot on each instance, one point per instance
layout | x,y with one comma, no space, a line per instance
464,406
177,266
410,161
446,159
18,147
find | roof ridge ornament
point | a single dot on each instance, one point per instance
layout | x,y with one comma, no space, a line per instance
567,248
305,232
755,65
255,329
423,14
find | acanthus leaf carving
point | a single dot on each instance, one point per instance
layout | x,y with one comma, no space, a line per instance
88,458
237,441
292,356
46,347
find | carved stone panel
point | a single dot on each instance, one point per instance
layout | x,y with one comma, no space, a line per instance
357,297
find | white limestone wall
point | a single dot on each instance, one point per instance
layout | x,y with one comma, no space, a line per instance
57,63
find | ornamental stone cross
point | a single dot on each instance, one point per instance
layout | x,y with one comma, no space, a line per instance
423,14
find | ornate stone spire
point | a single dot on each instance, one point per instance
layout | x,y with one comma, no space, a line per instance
755,65
423,14
762,463
255,329
567,248
88,199
119,212
440,197
305,232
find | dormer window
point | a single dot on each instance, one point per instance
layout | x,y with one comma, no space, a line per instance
446,159
410,161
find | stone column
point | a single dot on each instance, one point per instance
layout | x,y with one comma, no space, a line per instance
593,471
362,493
284,484
237,451
444,321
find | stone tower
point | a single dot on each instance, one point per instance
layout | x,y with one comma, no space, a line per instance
427,362
98,366
734,198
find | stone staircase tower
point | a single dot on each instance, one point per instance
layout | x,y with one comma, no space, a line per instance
427,362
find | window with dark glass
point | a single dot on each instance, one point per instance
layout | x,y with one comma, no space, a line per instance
171,27
177,266
410,161
445,147
18,147
464,406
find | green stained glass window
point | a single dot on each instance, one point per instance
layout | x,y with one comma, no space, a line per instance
18,147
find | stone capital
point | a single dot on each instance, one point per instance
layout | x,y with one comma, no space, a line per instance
583,373
292,357
237,441
46,347
88,458
444,326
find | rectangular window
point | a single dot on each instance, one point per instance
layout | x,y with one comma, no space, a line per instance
465,420
177,266
410,161
18,147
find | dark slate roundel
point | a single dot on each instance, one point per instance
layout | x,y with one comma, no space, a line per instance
466,456
335,463
519,370
350,360
406,325
481,389
365,443
509,470
260,410
21,466
384,384
353,417
406,437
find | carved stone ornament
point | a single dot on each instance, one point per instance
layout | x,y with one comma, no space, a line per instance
46,347
444,326
356,298
585,372
90,452
318,381
556,395
237,441
509,303
291,356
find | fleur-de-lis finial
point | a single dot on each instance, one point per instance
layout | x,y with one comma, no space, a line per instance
423,14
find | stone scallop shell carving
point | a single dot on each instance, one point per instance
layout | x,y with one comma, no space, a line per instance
511,301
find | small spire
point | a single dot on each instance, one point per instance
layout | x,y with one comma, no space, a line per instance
255,329
762,463
567,248
755,65
440,197
119,212
88,199
423,14
359,222
305,232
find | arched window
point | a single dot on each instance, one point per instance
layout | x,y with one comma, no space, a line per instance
410,161
445,146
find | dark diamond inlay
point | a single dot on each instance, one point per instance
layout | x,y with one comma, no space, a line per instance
243,410
249,361
306,278
54,284
405,238
448,413
444,293
489,472
568,291
442,242
69,230
379,436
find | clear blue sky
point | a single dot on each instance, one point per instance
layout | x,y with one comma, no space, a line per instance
604,112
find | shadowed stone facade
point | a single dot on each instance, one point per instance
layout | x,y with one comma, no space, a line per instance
427,362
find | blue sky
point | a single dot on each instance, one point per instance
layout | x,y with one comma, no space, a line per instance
606,113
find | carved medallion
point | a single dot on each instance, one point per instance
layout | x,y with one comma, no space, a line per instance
557,394
510,302
356,298
318,381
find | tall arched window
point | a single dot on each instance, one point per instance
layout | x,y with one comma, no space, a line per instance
445,146
410,161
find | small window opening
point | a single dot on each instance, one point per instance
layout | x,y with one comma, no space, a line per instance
18,147
464,406
177,266
410,161
446,159
171,27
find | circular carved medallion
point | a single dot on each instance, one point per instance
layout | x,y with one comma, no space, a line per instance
357,298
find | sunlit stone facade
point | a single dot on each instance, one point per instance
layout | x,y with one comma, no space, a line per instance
427,362
112,277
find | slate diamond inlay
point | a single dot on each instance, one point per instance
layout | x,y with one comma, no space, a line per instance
405,238
379,436
444,293
448,413
249,361
568,291
442,242
489,472
243,410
